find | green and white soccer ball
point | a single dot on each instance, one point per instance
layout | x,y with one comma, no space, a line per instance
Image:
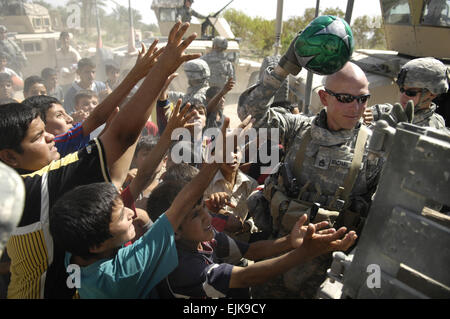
325,45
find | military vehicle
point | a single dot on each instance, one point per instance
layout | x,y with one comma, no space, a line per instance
413,28
166,12
30,26
403,250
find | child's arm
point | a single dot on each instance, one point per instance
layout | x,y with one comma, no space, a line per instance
100,114
212,105
144,173
309,243
129,122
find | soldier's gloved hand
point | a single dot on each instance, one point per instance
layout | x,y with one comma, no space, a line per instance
289,60
398,114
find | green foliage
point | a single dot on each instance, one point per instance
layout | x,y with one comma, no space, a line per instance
258,35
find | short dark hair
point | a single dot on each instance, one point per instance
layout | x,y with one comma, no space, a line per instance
85,62
30,81
162,197
15,118
42,103
48,72
84,93
147,143
80,218
64,34
180,172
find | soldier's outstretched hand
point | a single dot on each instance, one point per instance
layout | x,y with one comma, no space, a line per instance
397,114
315,240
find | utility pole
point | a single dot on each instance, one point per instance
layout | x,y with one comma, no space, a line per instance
279,26
310,75
131,39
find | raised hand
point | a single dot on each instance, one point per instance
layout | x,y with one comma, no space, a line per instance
146,59
317,241
164,95
217,201
178,119
228,86
173,55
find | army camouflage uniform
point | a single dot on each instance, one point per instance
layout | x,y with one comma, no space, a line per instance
425,73
16,58
325,166
185,14
197,71
221,69
423,117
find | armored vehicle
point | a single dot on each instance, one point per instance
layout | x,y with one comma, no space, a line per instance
413,28
166,12
30,26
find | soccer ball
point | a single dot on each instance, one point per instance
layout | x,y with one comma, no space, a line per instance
325,45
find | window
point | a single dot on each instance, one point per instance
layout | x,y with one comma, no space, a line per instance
436,12
30,47
37,22
167,14
396,11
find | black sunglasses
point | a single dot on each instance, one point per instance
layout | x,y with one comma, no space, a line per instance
348,98
411,93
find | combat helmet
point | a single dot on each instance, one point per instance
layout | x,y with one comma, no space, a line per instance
427,73
220,43
197,69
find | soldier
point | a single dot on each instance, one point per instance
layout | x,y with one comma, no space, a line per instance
198,74
221,69
186,12
16,57
420,80
326,162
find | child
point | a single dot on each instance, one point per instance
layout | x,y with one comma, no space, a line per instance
205,256
112,71
86,71
6,86
50,77
32,277
91,224
232,183
85,102
34,85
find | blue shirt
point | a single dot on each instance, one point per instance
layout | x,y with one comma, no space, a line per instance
135,270
71,141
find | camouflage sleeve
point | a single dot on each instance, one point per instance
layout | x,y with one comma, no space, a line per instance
255,102
174,96
232,74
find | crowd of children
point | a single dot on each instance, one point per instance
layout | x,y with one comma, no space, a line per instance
107,193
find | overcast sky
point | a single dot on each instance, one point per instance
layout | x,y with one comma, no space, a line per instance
262,8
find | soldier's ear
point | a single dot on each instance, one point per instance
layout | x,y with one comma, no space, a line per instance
323,97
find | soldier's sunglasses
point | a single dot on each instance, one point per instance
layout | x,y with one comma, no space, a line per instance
411,93
348,98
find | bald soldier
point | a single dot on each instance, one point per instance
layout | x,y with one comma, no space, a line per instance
326,162
420,80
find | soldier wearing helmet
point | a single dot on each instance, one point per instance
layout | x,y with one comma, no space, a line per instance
221,68
198,74
420,80
16,57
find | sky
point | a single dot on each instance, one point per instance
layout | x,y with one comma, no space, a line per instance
263,8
